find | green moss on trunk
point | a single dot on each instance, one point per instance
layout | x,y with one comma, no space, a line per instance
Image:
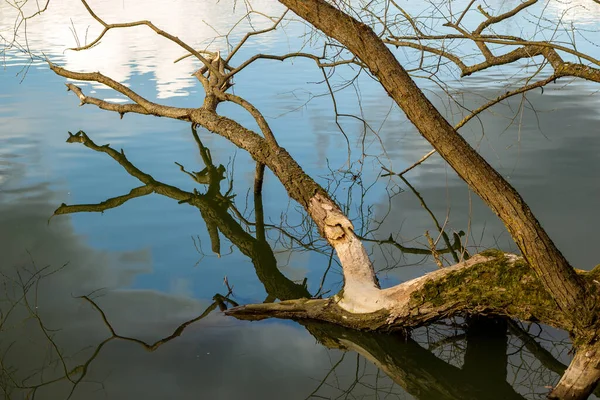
500,286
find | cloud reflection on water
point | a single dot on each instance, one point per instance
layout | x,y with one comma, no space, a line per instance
124,53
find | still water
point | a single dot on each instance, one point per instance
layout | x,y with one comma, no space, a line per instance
155,278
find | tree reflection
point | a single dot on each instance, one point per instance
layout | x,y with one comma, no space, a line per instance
472,358
21,299
213,208
423,375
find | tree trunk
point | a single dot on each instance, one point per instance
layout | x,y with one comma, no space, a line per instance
361,288
581,377
491,283
554,271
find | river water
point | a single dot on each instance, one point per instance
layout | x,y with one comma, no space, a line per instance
148,265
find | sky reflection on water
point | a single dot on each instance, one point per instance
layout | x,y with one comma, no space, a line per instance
144,258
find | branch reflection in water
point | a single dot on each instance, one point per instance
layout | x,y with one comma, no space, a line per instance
442,361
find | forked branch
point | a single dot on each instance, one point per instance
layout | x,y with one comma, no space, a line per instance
528,48
140,106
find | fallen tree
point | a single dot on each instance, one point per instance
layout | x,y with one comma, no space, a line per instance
400,355
540,286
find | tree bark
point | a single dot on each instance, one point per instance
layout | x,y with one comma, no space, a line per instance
361,288
581,377
490,284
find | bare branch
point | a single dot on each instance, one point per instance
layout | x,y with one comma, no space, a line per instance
122,109
313,57
250,34
523,89
143,105
462,15
429,49
494,20
260,119
149,24
479,110
421,160
498,39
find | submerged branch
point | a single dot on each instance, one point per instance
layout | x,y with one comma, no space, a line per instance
490,284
